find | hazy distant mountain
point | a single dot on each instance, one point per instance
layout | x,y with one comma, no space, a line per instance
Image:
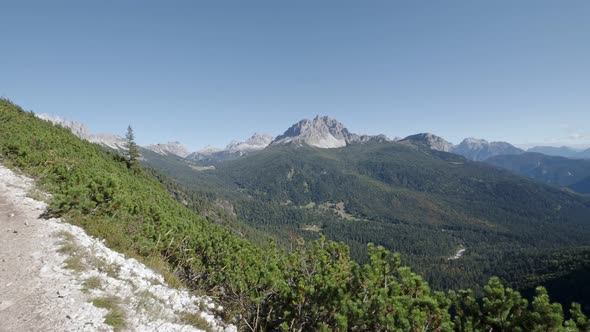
233,150
480,149
114,142
562,151
430,140
561,171
109,140
254,143
170,148
77,128
322,132
470,148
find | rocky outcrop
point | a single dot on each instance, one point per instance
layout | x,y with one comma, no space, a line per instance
322,132
432,141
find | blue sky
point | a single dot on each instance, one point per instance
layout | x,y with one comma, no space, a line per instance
207,72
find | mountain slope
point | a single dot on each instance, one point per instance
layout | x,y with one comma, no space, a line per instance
170,148
233,150
562,151
480,149
470,148
110,141
432,141
560,171
423,203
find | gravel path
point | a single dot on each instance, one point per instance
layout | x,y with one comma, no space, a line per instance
54,277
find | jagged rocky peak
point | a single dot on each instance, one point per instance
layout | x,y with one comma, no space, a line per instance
256,142
374,138
232,150
475,142
109,140
209,149
77,128
174,148
480,149
322,132
431,140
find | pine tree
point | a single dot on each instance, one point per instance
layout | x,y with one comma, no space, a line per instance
132,150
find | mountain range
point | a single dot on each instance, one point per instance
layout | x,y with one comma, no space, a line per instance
560,171
416,196
424,203
457,221
234,149
79,129
562,151
326,133
321,132
470,148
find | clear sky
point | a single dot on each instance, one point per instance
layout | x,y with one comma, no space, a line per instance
207,72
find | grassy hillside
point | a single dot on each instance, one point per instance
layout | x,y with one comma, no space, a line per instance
317,287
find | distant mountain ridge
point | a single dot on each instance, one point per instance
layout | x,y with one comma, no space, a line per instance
233,150
174,148
470,148
79,129
562,151
480,149
432,141
555,170
320,132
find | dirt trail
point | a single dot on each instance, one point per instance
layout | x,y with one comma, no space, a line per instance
38,292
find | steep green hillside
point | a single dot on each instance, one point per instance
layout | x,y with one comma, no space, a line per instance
559,171
317,287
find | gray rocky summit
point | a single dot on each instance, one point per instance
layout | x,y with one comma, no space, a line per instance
109,140
432,141
470,148
170,148
480,149
322,132
232,150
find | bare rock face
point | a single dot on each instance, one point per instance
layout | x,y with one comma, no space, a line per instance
322,132
108,140
77,128
233,150
431,140
254,143
470,148
170,148
480,149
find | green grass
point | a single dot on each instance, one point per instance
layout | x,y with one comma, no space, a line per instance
68,246
111,269
116,316
37,195
194,319
75,263
91,283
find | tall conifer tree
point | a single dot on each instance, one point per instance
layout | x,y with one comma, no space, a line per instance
132,149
